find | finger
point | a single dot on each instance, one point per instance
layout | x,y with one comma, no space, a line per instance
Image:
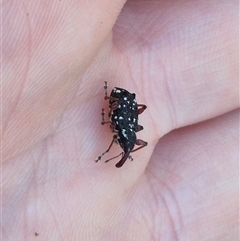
196,170
46,51
199,72
187,67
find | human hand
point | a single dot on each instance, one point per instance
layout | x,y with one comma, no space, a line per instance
180,58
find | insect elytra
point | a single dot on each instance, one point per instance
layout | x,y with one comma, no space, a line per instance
123,120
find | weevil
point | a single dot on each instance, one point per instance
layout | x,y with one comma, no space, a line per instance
123,120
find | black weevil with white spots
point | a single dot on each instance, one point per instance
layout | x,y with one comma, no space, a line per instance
123,114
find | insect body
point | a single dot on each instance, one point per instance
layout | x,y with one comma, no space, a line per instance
123,114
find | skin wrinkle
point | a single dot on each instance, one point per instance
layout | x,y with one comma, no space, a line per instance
25,75
173,226
156,202
177,221
173,112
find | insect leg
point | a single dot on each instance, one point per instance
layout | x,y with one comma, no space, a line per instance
105,88
139,128
106,97
114,157
140,143
142,108
99,158
103,118
123,159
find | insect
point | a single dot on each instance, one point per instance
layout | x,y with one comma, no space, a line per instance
123,115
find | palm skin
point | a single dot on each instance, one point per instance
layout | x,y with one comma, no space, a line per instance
180,58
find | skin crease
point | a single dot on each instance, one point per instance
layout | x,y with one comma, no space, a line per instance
181,60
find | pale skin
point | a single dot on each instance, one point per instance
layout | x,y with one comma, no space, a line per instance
181,60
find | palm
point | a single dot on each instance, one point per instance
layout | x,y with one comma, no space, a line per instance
174,188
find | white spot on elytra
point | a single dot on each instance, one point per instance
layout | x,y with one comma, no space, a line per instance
131,126
125,98
120,118
124,133
118,91
115,117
